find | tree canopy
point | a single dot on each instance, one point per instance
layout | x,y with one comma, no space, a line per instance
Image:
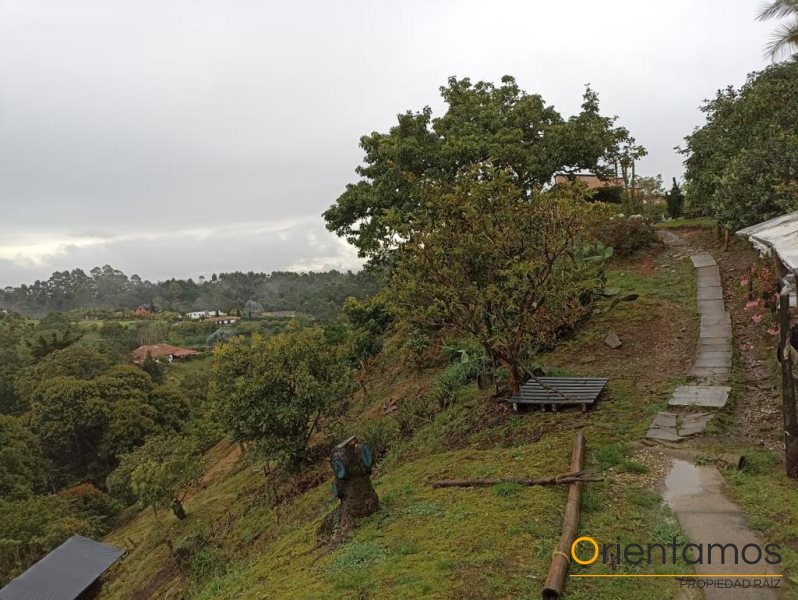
510,273
741,165
276,391
317,294
159,473
516,131
23,469
85,418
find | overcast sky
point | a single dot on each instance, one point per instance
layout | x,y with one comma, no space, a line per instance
180,138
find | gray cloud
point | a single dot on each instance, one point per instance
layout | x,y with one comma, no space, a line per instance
128,127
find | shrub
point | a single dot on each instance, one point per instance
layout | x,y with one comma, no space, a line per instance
379,434
85,499
625,234
759,462
413,413
613,194
447,385
277,390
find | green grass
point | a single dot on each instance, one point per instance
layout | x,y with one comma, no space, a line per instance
616,456
470,543
179,369
770,500
703,222
671,282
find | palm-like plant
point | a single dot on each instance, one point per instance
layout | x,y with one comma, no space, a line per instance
785,37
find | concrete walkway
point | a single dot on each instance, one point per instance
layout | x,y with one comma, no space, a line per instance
695,496
712,365
694,493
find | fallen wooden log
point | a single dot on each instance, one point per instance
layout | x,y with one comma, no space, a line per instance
565,478
559,562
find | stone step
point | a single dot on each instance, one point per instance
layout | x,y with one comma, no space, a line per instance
709,280
714,318
713,354
703,260
710,293
713,362
707,271
711,307
714,345
716,331
674,427
700,395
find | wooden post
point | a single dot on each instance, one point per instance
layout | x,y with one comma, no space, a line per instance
788,388
559,562
565,478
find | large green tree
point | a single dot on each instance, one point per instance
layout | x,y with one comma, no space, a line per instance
742,165
501,123
277,390
69,416
510,273
159,473
86,420
12,333
23,468
74,361
675,198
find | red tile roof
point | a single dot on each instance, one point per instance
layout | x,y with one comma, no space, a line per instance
160,351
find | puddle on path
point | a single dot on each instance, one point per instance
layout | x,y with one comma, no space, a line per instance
684,479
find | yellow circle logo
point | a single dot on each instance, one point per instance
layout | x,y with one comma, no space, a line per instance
595,550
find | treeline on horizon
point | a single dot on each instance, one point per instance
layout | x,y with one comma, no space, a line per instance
319,294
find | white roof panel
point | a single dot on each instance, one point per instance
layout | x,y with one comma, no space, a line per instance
779,235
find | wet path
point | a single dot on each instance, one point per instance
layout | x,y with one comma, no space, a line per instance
695,493
707,516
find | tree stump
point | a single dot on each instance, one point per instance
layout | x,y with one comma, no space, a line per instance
178,510
351,462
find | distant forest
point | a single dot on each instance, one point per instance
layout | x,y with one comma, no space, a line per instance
318,294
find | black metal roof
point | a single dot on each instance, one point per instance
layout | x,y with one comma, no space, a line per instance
560,390
65,573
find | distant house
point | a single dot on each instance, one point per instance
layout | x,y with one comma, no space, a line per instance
222,320
279,314
590,180
142,311
161,351
201,314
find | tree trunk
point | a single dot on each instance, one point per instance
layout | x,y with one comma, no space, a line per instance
515,379
351,463
178,510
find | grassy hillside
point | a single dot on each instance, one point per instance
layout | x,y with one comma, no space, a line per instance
237,542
